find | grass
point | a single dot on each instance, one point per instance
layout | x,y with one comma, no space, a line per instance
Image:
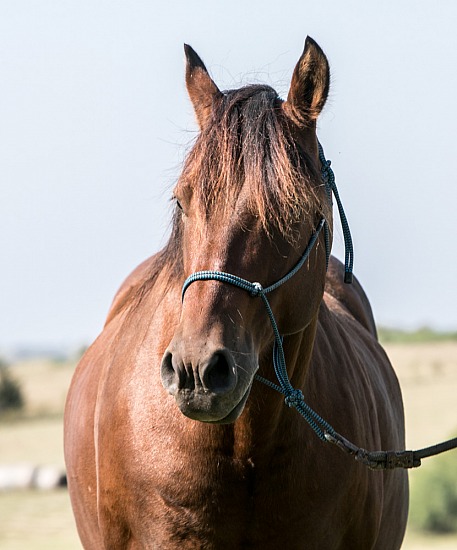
31,519
32,440
428,376
416,541
434,496
38,520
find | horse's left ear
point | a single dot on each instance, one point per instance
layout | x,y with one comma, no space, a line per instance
200,87
309,87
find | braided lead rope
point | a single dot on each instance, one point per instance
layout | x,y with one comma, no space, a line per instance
389,460
330,185
293,396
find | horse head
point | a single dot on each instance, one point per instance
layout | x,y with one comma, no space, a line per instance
249,198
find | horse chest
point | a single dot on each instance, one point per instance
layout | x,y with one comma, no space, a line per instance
234,504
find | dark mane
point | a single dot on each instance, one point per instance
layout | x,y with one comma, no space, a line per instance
249,144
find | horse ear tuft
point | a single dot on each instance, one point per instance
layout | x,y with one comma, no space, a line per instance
200,87
309,86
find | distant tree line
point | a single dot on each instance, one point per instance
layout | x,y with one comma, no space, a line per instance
11,396
424,334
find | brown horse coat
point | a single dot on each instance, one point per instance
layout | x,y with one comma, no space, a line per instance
143,471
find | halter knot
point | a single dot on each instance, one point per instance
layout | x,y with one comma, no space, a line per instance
327,172
294,398
257,290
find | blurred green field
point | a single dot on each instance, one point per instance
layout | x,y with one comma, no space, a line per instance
33,519
37,520
42,520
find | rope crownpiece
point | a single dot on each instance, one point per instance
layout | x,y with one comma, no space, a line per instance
328,178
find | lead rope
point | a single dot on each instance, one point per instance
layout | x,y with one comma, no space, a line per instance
376,460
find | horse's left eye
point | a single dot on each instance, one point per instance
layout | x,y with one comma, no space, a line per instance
178,204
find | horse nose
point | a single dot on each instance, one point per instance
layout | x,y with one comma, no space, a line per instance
216,373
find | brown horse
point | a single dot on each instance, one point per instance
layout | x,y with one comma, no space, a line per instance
170,441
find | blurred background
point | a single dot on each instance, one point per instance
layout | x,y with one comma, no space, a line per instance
95,123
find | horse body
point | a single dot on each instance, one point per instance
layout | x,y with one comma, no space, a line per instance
169,441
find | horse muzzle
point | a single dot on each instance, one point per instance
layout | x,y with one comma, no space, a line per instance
210,386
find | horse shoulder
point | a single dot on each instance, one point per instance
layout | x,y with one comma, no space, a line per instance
93,390
79,443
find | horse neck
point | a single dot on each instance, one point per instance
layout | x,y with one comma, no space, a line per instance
266,419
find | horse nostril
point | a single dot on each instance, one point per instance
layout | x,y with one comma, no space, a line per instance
218,376
171,378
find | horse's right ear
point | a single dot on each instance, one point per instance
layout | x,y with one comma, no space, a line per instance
201,89
309,87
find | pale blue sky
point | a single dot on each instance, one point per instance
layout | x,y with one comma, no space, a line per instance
94,123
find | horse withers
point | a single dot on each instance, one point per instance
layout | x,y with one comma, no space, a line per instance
170,439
